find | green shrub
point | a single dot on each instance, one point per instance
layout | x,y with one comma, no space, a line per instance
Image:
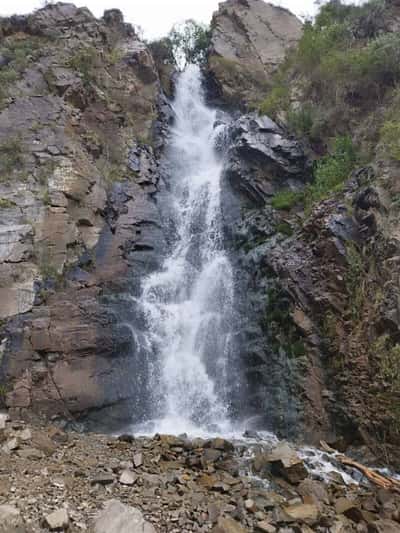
301,120
354,280
5,203
10,156
286,199
390,137
285,229
388,355
332,171
85,60
277,100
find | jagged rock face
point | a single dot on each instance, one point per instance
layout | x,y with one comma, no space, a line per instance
260,159
309,305
249,40
77,214
259,150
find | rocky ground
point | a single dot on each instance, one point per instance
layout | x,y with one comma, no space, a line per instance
53,480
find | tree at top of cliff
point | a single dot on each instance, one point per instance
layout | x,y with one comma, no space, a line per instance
186,43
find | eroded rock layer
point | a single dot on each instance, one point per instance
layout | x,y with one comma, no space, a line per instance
77,214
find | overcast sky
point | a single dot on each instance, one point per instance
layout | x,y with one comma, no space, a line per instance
156,17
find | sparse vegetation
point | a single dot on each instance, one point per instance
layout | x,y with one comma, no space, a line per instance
346,60
18,51
284,228
355,280
279,324
390,137
286,199
330,174
5,203
278,100
11,157
388,355
85,60
332,171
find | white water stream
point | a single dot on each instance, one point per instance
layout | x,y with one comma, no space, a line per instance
188,303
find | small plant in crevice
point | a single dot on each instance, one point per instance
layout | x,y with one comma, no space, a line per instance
355,283
286,199
387,353
85,61
11,157
18,51
5,203
279,325
284,229
4,390
330,175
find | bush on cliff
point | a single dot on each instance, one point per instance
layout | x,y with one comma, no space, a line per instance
345,61
330,174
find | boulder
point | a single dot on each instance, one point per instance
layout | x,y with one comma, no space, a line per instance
302,511
119,518
285,462
265,527
261,159
228,525
10,519
57,520
3,420
128,478
249,41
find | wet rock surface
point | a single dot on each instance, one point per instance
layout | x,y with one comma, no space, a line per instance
81,482
78,220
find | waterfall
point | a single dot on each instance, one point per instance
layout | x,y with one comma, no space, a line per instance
188,304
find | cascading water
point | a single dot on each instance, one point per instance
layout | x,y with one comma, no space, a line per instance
188,304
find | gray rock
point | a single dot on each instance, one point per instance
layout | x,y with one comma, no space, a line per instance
128,478
57,520
103,479
249,40
10,445
285,461
261,158
138,460
119,518
10,518
3,416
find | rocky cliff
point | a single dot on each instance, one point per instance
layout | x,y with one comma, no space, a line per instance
82,113
317,253
249,41
80,100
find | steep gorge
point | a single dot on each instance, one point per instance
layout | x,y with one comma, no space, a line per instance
169,265
83,183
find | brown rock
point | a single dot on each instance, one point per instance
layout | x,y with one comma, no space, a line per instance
228,525
384,526
302,511
285,462
265,527
249,41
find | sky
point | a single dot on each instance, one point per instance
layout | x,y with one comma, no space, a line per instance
156,17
